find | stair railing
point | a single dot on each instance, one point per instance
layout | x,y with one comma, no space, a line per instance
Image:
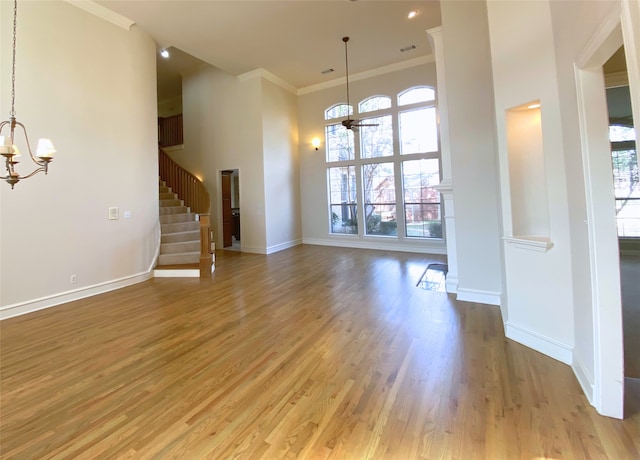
192,191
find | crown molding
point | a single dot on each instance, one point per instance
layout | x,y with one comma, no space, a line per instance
428,59
103,13
262,73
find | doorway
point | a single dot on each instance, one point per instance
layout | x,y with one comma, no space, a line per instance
608,386
230,193
624,155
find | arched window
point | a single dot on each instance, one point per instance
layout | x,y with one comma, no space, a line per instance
338,111
389,144
416,94
373,103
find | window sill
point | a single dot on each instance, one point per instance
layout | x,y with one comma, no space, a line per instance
530,243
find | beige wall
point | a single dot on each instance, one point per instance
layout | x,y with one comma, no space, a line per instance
90,86
281,167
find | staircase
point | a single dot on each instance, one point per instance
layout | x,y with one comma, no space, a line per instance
186,247
180,231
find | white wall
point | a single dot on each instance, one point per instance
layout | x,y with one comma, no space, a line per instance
90,86
313,167
249,124
597,318
223,130
535,47
473,150
281,168
538,283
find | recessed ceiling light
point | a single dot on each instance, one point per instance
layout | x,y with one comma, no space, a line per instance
412,14
164,53
533,106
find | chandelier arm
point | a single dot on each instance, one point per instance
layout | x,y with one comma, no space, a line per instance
34,158
32,173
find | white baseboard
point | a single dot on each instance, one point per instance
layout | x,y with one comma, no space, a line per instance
283,246
22,308
584,379
478,296
383,246
545,345
451,284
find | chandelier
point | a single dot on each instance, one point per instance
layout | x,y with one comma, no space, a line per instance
8,148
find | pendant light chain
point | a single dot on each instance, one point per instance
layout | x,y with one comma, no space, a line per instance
13,66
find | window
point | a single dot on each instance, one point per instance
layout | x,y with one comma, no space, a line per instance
418,94
339,143
390,163
337,111
379,199
418,131
342,192
626,180
376,141
374,103
421,201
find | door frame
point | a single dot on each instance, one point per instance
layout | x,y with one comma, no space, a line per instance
616,29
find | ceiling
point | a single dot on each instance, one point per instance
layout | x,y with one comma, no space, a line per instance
292,39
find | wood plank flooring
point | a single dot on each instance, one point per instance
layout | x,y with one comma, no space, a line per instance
313,352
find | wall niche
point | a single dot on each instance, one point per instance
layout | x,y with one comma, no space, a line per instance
527,178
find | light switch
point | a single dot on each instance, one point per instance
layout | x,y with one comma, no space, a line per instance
113,213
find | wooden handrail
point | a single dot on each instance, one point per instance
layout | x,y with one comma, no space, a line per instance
192,191
189,188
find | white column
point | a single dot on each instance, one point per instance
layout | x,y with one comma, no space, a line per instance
446,184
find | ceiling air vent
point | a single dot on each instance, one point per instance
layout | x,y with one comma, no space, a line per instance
326,71
407,48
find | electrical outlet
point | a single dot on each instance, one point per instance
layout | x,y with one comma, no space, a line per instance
74,279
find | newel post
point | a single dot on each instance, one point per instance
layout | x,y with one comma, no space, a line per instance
206,259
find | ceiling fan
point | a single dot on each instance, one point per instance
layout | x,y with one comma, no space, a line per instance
350,123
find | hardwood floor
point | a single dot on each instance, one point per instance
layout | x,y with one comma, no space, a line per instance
312,352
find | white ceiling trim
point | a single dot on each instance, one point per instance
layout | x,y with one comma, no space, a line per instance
103,13
368,74
268,76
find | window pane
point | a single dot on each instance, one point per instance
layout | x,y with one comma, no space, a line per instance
339,143
626,182
342,200
421,200
418,131
379,199
423,220
413,95
618,133
376,141
374,103
337,111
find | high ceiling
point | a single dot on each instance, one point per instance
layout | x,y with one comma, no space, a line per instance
293,39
